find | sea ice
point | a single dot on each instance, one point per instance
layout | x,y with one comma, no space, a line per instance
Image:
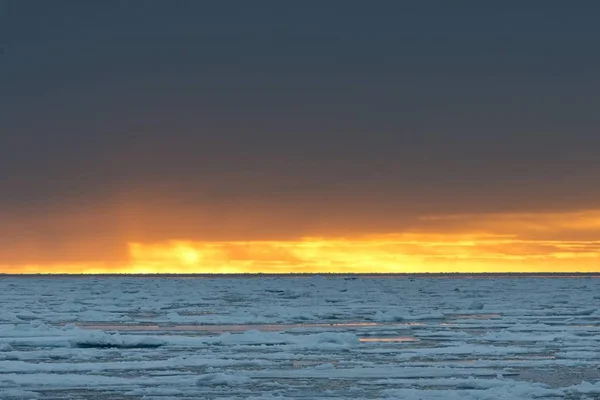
159,338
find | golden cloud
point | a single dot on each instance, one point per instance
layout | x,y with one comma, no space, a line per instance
451,243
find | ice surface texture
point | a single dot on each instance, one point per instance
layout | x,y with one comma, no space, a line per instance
310,338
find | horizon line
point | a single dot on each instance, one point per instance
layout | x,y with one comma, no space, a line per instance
300,274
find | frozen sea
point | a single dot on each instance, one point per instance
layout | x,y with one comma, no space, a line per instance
315,337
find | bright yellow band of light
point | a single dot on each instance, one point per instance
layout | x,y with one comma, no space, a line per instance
567,242
391,254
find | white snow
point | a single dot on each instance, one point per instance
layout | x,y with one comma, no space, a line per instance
321,337
584,388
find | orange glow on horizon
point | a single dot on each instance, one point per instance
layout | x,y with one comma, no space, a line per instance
386,254
564,242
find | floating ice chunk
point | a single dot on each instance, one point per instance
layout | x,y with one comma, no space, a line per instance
100,339
26,315
18,394
253,337
40,326
585,388
32,329
398,316
5,347
151,391
176,317
95,316
9,316
506,390
389,316
521,337
222,379
324,366
336,338
476,305
577,355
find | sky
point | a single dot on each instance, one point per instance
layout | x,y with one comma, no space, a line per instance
271,136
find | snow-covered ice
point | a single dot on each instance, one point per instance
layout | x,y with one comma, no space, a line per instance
299,337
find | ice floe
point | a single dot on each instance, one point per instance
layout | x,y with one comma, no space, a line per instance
283,338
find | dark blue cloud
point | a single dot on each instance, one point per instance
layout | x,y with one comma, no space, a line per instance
386,106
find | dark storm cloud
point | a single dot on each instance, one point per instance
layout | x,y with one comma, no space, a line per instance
357,113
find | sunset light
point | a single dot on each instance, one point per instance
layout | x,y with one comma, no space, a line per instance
299,200
393,254
469,243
